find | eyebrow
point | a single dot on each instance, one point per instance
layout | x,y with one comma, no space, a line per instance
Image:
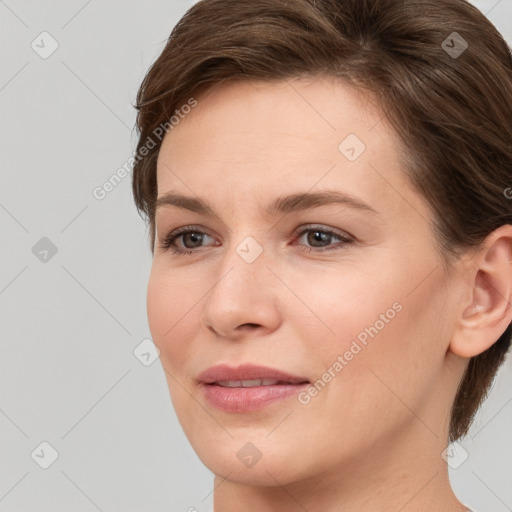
283,204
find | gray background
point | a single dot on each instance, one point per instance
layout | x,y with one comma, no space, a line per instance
71,321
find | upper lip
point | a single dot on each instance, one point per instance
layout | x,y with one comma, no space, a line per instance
223,372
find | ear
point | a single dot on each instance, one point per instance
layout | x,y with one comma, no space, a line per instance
487,311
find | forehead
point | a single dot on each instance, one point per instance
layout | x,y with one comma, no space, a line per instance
319,110
256,139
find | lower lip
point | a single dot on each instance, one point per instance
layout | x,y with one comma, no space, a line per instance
248,399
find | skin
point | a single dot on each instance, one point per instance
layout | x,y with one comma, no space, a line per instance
372,438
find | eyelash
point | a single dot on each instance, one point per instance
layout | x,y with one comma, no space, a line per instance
168,241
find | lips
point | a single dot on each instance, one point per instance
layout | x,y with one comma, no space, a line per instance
247,372
248,387
250,383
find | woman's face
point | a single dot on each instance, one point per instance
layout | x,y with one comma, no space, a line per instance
350,298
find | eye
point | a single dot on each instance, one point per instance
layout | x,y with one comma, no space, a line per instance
321,235
317,237
188,235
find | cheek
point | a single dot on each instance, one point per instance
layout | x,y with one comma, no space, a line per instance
173,309
337,304
171,316
384,325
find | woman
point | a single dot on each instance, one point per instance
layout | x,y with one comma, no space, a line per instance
327,186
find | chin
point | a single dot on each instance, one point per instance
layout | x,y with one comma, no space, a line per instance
257,462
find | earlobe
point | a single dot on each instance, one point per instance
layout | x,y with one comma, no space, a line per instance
488,312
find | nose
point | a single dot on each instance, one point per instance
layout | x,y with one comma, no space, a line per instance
243,299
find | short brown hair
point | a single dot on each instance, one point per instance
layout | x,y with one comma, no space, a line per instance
452,112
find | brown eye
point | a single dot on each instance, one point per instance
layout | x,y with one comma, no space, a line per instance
191,239
319,239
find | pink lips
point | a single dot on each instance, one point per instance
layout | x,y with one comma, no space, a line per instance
246,399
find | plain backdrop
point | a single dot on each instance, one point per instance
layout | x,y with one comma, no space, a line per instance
76,395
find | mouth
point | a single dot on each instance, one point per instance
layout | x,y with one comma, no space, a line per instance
253,383
247,375
248,387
